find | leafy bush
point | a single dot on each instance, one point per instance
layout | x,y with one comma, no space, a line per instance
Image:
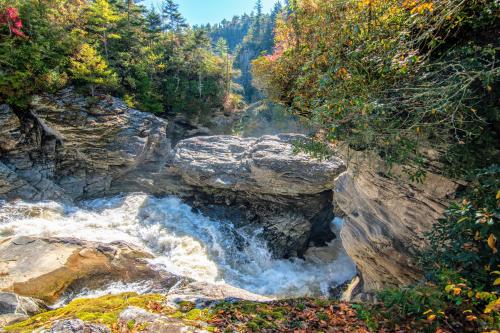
390,76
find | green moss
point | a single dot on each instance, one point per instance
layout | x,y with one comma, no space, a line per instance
203,315
104,310
186,306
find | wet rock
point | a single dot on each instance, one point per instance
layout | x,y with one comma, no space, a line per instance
45,268
76,326
12,303
148,322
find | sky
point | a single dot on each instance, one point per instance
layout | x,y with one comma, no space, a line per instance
213,11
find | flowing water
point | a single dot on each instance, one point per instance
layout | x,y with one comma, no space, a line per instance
184,242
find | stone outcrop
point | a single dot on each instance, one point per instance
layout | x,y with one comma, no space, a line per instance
203,293
147,322
267,165
385,222
76,326
15,308
69,148
264,183
45,268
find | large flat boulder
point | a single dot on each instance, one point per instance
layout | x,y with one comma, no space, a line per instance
263,183
45,268
267,165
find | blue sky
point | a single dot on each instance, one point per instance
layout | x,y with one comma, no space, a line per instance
214,11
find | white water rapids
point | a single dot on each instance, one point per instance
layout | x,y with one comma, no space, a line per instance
184,242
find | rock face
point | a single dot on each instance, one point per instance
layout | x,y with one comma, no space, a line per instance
68,149
76,326
15,308
385,222
45,268
262,182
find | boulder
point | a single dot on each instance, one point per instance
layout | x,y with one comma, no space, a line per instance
73,149
267,165
45,268
15,308
203,293
385,222
76,326
147,322
262,183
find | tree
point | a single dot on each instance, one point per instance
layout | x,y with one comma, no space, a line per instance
154,25
90,68
223,51
172,18
102,20
258,18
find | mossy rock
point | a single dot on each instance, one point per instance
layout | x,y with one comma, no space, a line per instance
103,310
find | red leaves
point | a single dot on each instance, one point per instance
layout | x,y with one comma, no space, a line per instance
10,17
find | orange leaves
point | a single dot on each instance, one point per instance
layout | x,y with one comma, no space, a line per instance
492,241
418,6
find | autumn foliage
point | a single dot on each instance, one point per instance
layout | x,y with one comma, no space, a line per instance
10,18
391,77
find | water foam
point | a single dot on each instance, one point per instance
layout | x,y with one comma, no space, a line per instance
185,243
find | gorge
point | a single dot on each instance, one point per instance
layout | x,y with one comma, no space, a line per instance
248,216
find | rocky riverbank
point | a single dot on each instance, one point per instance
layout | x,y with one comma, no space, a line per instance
69,149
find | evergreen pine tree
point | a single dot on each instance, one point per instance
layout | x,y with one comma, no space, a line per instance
172,18
88,67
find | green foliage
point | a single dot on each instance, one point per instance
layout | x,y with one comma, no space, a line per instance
115,46
247,38
464,241
393,77
89,67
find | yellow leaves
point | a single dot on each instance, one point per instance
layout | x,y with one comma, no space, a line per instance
419,7
453,289
492,241
497,282
431,317
493,306
498,195
471,318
